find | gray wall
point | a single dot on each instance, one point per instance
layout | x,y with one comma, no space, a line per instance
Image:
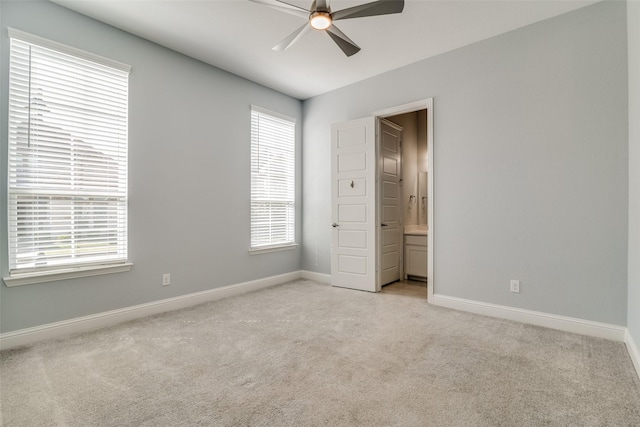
530,155
633,29
531,164
189,166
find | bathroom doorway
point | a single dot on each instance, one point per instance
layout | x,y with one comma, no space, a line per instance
405,245
356,253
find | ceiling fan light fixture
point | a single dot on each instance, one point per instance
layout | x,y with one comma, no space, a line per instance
320,20
320,17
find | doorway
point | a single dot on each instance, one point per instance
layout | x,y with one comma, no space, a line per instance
415,208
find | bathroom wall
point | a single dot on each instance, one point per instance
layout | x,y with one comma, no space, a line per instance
409,125
423,158
414,161
423,155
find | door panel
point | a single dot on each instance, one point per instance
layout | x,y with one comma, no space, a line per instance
390,166
352,239
351,264
390,178
390,189
353,175
352,213
351,136
390,215
352,187
390,237
352,162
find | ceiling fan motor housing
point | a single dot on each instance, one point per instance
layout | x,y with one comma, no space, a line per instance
320,20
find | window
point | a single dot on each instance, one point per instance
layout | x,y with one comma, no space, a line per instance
272,180
67,183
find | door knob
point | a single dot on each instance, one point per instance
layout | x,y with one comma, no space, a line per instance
384,225
334,225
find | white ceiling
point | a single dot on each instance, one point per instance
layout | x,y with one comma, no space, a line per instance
237,35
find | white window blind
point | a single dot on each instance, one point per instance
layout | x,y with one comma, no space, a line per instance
67,192
272,179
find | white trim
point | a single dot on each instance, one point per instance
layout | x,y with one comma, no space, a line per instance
431,176
65,274
633,350
562,323
285,247
107,318
316,277
405,108
69,50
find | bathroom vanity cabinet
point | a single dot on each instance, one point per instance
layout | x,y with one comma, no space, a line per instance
415,256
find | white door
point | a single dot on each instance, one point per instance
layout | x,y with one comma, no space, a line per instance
390,192
353,213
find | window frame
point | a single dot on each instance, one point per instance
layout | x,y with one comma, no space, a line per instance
287,244
29,275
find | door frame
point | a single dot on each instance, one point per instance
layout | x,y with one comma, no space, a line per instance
423,104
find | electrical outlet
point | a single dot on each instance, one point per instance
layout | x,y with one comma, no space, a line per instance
166,279
515,286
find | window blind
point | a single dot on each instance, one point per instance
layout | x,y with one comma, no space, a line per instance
67,168
272,179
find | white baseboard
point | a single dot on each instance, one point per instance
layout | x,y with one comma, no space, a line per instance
562,323
633,351
318,277
108,318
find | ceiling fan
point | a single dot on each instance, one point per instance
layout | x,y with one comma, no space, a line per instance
320,17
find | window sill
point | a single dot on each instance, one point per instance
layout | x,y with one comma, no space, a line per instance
256,251
64,274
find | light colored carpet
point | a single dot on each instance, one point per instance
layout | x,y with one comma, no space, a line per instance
308,354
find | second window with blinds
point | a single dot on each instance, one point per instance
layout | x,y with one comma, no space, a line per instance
272,181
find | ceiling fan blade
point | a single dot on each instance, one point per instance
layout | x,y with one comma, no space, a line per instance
345,43
380,7
285,7
320,5
293,37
